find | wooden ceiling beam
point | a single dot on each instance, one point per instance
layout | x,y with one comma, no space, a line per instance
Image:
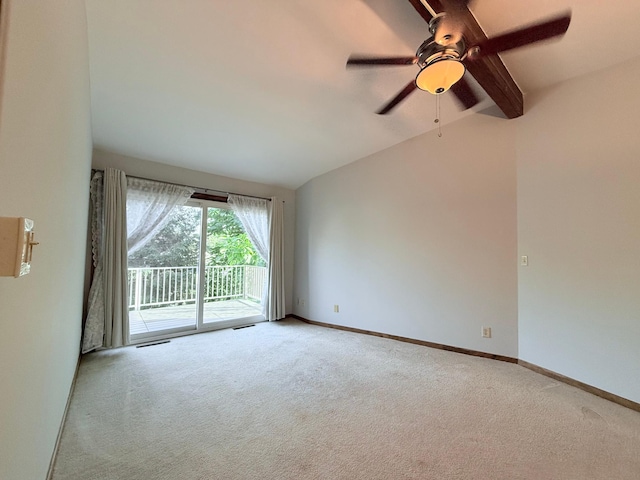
489,71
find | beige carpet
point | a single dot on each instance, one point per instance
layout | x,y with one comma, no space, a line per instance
288,400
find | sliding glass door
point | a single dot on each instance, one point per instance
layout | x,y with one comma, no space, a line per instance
163,277
234,275
200,272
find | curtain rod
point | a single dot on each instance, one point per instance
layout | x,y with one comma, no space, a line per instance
202,189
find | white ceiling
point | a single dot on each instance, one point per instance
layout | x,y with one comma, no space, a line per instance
259,91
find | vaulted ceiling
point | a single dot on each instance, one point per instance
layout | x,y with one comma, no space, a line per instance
259,90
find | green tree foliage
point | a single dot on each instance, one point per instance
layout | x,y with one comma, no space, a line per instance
227,243
177,244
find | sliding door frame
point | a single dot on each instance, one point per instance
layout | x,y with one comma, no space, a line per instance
200,325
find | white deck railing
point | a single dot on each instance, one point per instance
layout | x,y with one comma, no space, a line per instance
160,286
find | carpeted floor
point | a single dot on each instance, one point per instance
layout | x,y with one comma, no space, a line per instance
287,400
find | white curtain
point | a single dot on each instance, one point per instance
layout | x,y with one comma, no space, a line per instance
126,214
107,321
276,260
263,224
254,216
149,205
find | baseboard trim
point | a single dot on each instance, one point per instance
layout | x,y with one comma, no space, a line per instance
424,343
54,455
582,386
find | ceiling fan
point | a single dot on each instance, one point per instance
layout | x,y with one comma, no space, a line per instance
442,57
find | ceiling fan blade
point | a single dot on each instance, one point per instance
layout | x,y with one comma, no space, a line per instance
380,61
465,95
411,86
521,37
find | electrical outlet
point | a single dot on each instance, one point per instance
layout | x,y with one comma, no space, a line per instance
524,260
486,332
302,302
336,308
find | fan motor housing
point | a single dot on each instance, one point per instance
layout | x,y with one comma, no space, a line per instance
440,65
430,52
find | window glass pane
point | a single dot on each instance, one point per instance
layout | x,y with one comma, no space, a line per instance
163,276
234,273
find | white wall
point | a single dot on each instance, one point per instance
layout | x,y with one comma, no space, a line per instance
167,173
45,154
579,223
418,240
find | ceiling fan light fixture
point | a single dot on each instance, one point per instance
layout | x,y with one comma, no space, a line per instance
438,77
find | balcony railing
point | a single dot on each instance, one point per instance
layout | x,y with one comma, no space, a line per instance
163,286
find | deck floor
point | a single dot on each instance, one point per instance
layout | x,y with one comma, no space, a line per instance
183,316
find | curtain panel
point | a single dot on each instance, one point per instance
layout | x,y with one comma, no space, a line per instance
276,260
263,222
107,322
125,214
149,207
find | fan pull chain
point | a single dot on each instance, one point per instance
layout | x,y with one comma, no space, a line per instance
437,120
